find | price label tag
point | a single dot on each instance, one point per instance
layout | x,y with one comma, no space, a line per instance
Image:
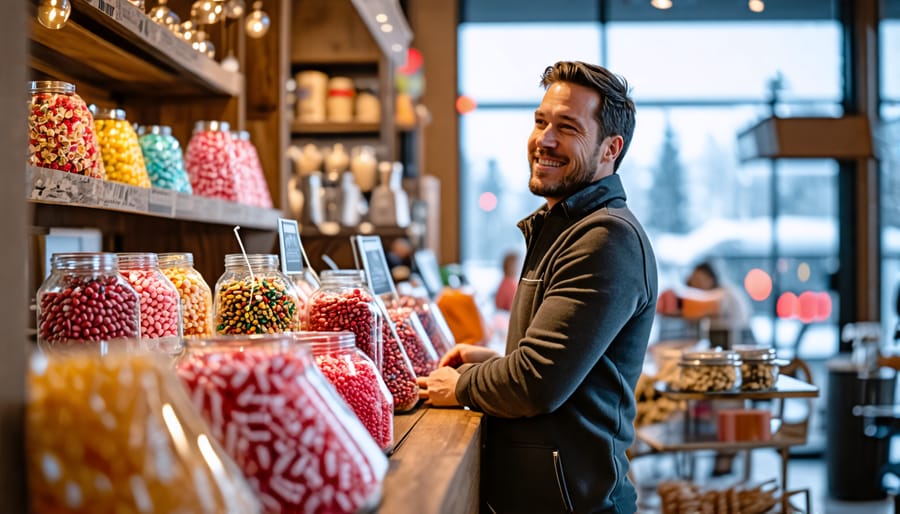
58,186
125,197
184,206
108,7
375,266
291,247
426,264
162,201
132,17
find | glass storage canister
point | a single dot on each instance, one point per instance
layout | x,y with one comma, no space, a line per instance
296,440
160,304
210,161
415,340
250,172
433,321
343,302
85,299
305,284
356,379
709,371
111,430
122,157
396,368
61,130
254,300
163,158
759,367
194,293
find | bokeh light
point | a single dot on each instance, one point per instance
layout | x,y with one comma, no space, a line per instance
758,284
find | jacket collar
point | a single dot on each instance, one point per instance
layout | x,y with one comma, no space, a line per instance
580,203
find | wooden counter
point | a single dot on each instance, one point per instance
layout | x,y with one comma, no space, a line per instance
434,467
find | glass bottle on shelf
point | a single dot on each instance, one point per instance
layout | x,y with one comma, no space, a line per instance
257,299
61,130
160,303
119,147
163,158
194,292
210,161
256,189
85,299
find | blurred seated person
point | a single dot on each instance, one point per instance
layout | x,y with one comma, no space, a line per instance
503,298
706,297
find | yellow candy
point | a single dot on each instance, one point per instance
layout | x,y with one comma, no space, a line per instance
122,157
196,300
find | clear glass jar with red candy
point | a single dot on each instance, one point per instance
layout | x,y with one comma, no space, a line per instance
296,440
356,379
396,368
110,428
61,130
432,321
305,284
211,162
412,335
344,302
257,299
119,147
194,292
160,303
85,299
250,172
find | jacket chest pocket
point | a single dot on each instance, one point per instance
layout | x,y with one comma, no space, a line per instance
528,297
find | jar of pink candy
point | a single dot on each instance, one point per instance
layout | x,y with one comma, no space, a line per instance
160,303
250,172
211,163
295,439
85,299
412,335
432,321
356,379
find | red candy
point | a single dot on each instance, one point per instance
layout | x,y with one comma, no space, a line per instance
415,340
88,309
277,418
432,321
347,309
159,303
211,165
398,373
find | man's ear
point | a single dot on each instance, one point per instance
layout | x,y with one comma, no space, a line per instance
613,147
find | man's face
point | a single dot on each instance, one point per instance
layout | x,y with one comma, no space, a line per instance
563,148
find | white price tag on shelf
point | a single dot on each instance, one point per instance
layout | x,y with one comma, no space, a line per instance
125,197
162,201
185,206
108,7
133,18
48,185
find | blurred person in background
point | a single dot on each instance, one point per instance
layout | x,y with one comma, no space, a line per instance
503,298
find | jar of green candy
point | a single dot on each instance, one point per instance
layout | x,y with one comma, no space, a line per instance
254,297
163,157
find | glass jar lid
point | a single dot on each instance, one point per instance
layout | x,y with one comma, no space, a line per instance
342,276
241,135
160,130
749,353
107,113
138,260
211,126
256,260
324,342
710,358
51,86
176,260
84,261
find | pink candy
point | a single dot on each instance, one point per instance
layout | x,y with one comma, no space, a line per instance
211,165
415,340
250,174
159,303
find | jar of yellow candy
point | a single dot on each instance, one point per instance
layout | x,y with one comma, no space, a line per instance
196,297
254,297
119,147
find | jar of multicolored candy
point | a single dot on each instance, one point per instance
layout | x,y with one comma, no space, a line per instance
194,292
211,162
85,299
356,379
163,158
296,440
250,172
160,303
253,297
61,130
110,428
122,157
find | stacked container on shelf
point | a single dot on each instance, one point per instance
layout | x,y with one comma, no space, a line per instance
160,303
210,161
255,190
194,293
253,297
163,158
119,147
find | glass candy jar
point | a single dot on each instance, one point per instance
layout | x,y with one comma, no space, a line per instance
356,379
397,370
122,157
85,299
163,158
415,340
250,172
709,371
61,130
159,301
759,367
295,439
193,291
432,321
110,430
210,161
343,302
254,300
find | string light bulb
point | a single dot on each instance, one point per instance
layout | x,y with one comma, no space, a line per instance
257,22
208,12
756,5
188,31
54,14
234,9
202,44
661,4
163,15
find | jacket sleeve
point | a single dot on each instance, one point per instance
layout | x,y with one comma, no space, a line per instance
596,284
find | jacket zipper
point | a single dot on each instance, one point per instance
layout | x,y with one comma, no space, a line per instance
561,482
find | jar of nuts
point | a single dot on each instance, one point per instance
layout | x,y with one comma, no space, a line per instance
759,367
709,371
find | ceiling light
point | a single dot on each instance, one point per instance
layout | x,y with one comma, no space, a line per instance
661,4
756,5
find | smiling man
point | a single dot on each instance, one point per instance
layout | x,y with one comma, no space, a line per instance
560,404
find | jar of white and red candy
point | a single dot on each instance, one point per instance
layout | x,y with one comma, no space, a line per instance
210,161
356,379
61,130
250,172
295,439
111,429
122,157
432,321
305,284
254,300
343,302
163,158
85,299
159,301
397,370
414,338
193,291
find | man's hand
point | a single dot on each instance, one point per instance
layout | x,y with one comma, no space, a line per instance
466,354
439,388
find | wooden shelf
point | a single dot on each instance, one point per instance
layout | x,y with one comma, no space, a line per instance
670,437
366,229
848,137
46,186
113,44
299,128
785,387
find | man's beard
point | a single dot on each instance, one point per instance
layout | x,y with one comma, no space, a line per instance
577,179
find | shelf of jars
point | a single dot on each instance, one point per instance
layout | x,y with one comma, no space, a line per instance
48,186
114,43
299,128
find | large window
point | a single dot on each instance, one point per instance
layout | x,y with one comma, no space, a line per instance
889,143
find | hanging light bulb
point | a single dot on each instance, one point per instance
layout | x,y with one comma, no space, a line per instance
257,22
230,63
53,14
661,4
208,12
756,5
234,9
202,44
163,15
188,31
